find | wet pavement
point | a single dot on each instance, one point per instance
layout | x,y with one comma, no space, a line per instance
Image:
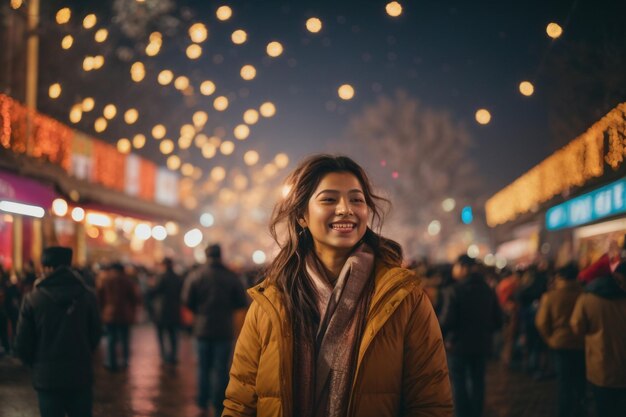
148,388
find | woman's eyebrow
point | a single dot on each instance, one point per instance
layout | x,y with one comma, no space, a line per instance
355,190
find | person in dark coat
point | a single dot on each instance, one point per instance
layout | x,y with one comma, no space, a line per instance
58,331
218,301
165,296
468,319
118,296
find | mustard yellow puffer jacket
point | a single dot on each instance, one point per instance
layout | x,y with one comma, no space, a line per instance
401,366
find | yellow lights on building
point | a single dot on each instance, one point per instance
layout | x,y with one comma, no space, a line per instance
16,4
67,42
100,124
166,146
227,147
78,214
165,77
90,21
209,150
101,35
123,146
137,72
483,116
63,16
55,90
241,132
156,37
224,13
153,48
181,83
345,92
251,158
554,30
526,88
198,32
248,72
251,116
220,103
281,160
131,116
187,169
218,174
59,207
194,51
568,168
76,113
274,49
98,61
159,131
393,9
267,109
314,25
239,37
110,111
207,88
173,162
88,104
139,141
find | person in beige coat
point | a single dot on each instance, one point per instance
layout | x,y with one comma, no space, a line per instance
337,328
600,316
552,321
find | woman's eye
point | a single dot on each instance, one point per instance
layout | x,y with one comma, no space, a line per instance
358,200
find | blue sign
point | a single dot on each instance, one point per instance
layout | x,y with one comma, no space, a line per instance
600,203
466,215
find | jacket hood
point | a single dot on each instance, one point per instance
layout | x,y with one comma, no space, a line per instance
62,286
605,287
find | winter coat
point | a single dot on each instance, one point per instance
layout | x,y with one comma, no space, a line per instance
469,317
58,330
166,299
401,365
213,293
600,316
553,316
118,297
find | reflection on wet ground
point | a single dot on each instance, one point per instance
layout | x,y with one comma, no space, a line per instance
149,389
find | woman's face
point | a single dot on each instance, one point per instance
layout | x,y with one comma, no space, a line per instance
337,213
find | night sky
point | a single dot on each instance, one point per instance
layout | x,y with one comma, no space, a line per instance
452,56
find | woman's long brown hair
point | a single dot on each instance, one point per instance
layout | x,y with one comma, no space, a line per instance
288,270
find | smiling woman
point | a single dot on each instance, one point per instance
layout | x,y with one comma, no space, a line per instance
337,328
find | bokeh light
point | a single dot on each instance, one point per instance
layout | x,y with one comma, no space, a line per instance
59,207
267,109
139,141
54,91
526,88
227,147
248,72
281,160
173,162
207,88
346,92
137,72
123,145
181,83
554,30
166,146
251,116
76,113
218,174
251,158
198,32
200,118
110,111
274,49
483,116
393,9
239,37
314,25
224,13
241,131
194,51
193,238
88,104
101,35
159,131
220,103
209,150
63,16
100,124
165,77
90,21
131,116
67,42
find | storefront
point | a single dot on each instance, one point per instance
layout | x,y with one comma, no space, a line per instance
23,204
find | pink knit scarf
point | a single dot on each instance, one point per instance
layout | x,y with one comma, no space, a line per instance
325,358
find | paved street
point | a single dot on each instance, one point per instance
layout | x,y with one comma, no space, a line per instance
149,389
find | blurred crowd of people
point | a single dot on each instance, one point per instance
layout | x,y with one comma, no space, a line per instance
549,322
